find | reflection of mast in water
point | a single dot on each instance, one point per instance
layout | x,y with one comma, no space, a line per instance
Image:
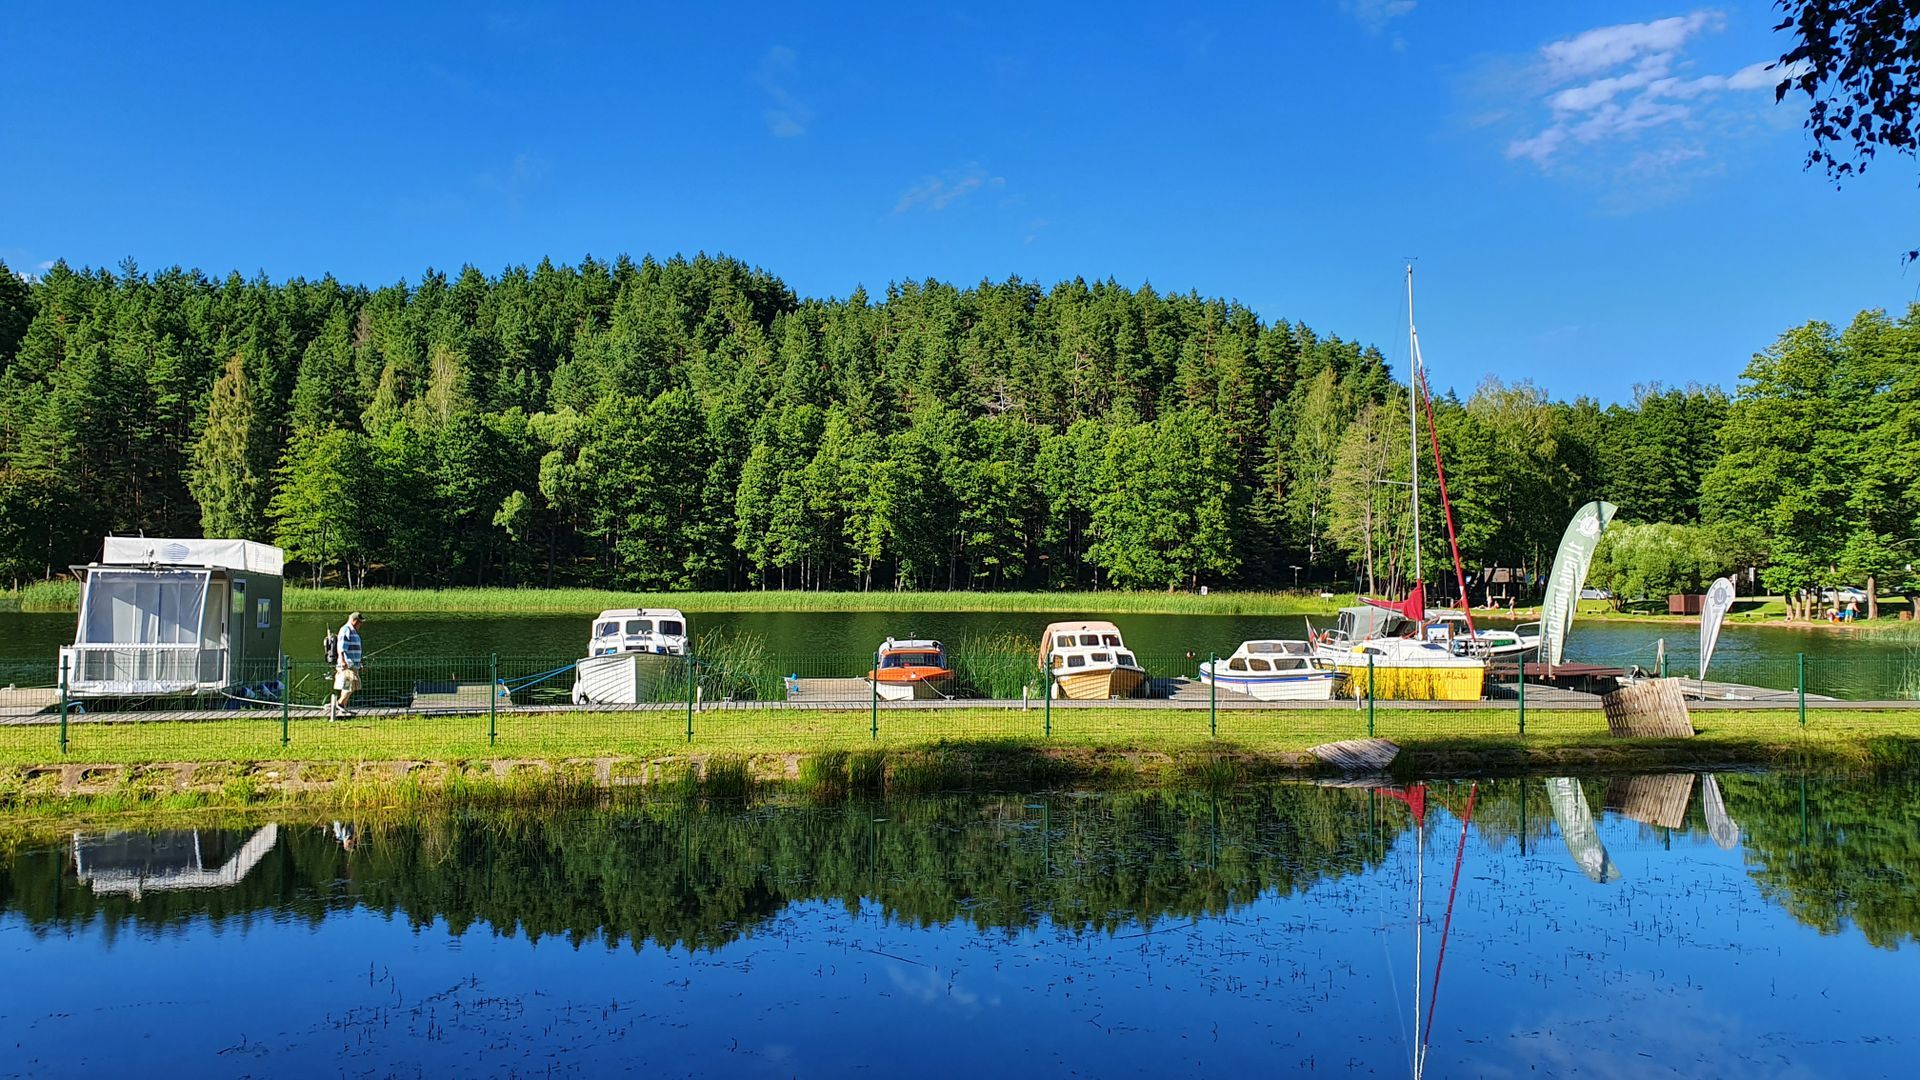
1575,818
1416,800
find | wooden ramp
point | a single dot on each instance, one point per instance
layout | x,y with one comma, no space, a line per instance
834,690
1649,708
439,696
1358,755
16,703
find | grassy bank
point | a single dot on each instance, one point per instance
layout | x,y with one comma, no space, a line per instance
914,752
64,596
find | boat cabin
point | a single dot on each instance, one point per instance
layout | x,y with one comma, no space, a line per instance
1360,623
161,617
639,630
910,653
1265,657
1070,646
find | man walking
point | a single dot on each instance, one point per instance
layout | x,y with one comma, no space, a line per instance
346,674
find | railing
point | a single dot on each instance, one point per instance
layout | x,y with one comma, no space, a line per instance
142,669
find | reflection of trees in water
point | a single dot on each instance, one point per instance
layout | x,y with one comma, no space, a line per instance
674,875
677,876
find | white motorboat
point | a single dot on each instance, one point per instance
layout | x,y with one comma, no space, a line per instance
633,651
1450,628
1272,670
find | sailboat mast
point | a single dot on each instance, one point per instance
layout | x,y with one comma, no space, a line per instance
1413,420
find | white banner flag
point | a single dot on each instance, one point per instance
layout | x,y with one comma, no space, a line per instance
1712,613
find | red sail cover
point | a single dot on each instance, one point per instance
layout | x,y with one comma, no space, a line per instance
1413,607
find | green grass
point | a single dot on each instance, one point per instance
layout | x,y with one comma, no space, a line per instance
1485,735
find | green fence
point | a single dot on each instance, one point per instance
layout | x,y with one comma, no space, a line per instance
456,706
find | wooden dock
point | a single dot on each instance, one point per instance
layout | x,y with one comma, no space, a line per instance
836,691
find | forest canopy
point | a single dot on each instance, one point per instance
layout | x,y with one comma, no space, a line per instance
693,422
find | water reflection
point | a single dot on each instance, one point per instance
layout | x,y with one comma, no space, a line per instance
1118,932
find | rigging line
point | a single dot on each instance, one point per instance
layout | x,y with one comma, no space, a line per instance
1453,538
1466,823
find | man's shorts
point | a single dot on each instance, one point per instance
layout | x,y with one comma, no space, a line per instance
346,679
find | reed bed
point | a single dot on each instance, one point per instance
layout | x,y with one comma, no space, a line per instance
65,596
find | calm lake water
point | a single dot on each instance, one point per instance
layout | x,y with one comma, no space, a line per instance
1676,925
1840,663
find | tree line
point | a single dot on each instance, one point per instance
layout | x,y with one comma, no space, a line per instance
693,423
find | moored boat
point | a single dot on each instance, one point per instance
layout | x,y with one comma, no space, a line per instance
910,669
1088,661
1407,669
1452,629
1272,670
631,651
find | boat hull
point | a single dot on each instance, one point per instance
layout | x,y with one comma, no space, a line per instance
911,684
1413,681
1098,684
624,678
1302,685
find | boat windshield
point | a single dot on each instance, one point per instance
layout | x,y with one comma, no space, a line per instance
606,628
639,626
1126,659
143,607
911,659
672,627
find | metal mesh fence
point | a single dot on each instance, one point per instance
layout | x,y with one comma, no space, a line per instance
458,706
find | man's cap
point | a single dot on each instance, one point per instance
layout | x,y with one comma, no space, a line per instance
355,617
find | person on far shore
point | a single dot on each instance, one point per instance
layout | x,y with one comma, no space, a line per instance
346,675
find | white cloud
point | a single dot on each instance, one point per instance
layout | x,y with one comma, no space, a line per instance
1621,103
1604,47
1376,15
786,116
936,193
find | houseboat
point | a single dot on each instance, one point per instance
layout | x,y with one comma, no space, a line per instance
914,668
1273,670
162,618
1089,662
631,651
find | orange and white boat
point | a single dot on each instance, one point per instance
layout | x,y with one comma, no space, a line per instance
909,669
1089,662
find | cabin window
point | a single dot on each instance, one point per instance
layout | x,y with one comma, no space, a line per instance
1076,661
672,627
1089,639
1292,664
1063,641
143,607
1126,659
639,626
263,613
1262,665
1238,663
1102,658
606,628
1058,661
1110,639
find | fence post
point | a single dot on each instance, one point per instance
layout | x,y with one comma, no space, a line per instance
1046,693
493,696
693,687
63,707
1800,683
286,700
873,695
1213,690
1369,695
1523,693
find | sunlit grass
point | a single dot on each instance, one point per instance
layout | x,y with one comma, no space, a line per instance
1456,736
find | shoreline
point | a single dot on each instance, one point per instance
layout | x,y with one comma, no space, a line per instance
372,777
62,598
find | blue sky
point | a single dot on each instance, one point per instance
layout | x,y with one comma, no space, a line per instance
1598,195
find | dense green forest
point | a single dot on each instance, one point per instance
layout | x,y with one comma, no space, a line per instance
693,423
